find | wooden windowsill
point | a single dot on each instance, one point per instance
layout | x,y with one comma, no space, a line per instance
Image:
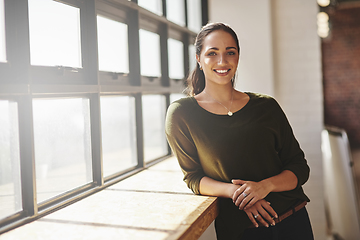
153,204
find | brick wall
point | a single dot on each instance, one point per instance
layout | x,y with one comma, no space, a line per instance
341,72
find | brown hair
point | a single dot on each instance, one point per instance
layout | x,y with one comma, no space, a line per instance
196,79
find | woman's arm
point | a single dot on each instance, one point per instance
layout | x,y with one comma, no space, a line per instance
251,192
211,187
262,208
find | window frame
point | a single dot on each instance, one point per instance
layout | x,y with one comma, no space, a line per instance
23,82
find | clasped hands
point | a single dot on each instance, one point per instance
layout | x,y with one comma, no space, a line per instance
249,196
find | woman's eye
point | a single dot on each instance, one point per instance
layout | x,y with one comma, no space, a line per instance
231,53
211,54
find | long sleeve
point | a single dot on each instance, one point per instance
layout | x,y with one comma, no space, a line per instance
182,145
290,153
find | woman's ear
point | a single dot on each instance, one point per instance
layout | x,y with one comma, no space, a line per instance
198,61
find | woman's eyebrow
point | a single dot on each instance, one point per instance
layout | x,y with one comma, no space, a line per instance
215,48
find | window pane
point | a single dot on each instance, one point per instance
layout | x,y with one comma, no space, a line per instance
175,11
176,59
2,33
54,34
154,121
112,45
152,5
192,57
62,145
118,133
149,53
10,185
194,15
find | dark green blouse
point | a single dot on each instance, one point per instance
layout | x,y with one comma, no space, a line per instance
257,142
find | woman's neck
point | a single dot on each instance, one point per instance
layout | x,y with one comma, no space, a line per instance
222,93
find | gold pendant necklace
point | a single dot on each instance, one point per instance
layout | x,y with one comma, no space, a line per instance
230,113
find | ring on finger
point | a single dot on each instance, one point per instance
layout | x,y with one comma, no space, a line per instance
255,216
244,194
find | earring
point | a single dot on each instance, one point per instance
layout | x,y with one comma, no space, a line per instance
200,67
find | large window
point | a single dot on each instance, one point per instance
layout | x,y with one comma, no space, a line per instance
10,187
62,145
152,5
54,34
84,89
112,45
154,121
118,133
150,63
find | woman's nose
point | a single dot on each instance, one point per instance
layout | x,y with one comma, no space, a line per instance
222,59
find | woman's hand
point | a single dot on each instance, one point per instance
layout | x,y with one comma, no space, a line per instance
249,193
261,212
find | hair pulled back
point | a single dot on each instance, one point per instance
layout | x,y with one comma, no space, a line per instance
196,79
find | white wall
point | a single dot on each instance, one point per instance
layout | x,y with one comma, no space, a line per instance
298,88
251,20
281,56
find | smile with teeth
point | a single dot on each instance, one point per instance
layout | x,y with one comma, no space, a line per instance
221,71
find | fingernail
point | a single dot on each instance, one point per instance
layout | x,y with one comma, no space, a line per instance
267,225
276,216
273,224
256,225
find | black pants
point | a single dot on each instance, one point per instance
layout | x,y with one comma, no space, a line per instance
294,227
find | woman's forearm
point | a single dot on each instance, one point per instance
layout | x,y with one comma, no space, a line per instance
211,187
285,181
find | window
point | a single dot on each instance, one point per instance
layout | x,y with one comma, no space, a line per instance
176,59
54,34
83,102
62,145
175,11
192,57
2,33
154,6
10,188
118,134
194,15
112,45
154,132
150,54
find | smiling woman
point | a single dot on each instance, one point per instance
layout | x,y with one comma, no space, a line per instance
238,146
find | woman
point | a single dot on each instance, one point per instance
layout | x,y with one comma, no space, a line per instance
239,147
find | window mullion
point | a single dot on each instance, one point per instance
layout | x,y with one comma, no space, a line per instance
89,42
164,56
134,51
27,168
95,119
139,130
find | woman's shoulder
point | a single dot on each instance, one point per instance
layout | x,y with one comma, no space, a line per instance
261,98
182,105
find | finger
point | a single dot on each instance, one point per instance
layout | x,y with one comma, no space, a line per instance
240,199
262,221
237,194
252,219
270,210
245,201
266,216
238,181
251,203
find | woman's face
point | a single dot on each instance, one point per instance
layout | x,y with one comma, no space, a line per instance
219,57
